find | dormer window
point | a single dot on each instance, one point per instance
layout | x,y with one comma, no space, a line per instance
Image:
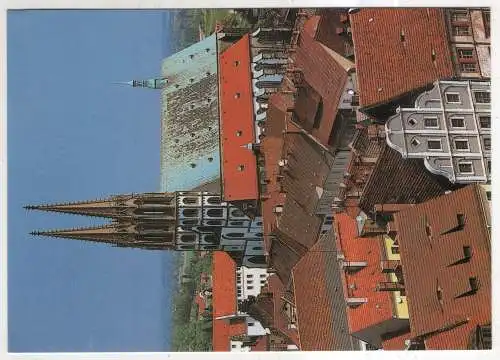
467,252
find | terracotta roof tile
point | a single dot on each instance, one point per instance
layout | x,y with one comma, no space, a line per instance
397,342
437,261
224,301
239,164
326,31
379,305
323,76
387,66
400,181
322,319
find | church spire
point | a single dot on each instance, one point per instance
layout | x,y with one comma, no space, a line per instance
159,83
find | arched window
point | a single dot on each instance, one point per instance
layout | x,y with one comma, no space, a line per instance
237,213
213,200
189,200
258,259
189,238
212,239
235,235
214,222
214,212
190,212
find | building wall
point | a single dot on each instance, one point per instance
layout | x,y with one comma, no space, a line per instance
249,281
254,327
237,346
469,34
449,128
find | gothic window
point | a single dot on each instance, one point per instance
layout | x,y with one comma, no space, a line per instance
212,239
190,222
214,222
214,200
188,238
190,212
189,200
235,235
237,213
214,212
258,259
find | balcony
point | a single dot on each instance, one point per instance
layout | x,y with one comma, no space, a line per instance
390,266
390,286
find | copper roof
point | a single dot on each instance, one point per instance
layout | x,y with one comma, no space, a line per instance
394,51
443,309
395,180
321,309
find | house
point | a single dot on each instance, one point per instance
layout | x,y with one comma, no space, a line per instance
449,129
445,250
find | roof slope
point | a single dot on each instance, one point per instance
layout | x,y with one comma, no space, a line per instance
325,77
437,262
321,309
326,32
190,122
394,51
224,301
239,164
395,180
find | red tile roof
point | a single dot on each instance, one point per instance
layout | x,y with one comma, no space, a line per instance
397,342
325,78
262,344
200,301
395,180
379,305
388,67
436,261
326,31
239,164
321,314
224,301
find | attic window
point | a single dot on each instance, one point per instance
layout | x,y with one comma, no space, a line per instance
467,252
461,221
241,167
237,95
402,36
433,55
474,284
239,133
236,63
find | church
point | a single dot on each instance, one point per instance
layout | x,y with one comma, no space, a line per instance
213,108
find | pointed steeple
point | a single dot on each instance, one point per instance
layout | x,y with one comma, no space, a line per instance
159,83
108,208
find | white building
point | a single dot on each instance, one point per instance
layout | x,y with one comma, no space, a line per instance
249,281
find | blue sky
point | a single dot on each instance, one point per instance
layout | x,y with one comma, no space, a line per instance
73,135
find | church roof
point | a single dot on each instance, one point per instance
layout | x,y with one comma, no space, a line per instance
190,117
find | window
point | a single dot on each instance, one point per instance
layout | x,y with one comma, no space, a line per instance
214,212
236,223
486,21
251,324
188,238
249,276
474,284
214,200
415,142
434,144
461,144
465,168
488,195
468,67
237,95
249,281
467,252
262,282
257,248
488,166
395,249
262,275
190,212
465,53
482,97
431,122
241,167
214,222
462,30
461,221
237,213
487,144
452,98
233,346
412,121
457,122
235,235
250,287
485,122
460,15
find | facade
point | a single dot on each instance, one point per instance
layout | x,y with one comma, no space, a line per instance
470,38
250,281
168,221
449,128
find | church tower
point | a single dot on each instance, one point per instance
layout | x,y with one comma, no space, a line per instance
197,221
148,83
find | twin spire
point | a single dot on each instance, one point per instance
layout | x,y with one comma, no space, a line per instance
158,83
143,220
